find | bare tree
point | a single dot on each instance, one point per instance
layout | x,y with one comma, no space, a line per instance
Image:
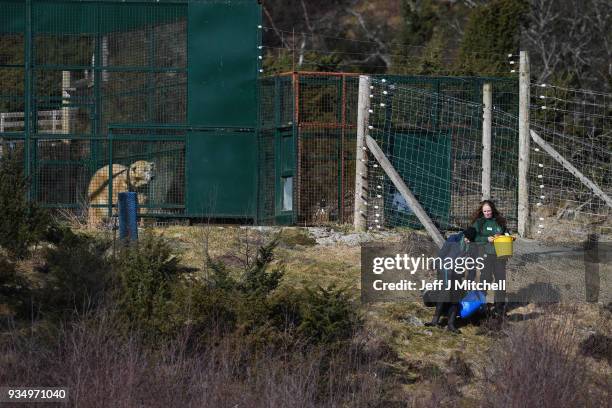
316,29
382,49
570,37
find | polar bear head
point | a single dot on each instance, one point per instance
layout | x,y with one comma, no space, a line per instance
141,173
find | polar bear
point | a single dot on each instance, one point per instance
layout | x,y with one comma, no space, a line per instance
137,175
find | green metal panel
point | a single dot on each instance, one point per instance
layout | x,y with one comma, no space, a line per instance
221,167
222,92
223,62
427,173
12,17
69,17
287,155
285,159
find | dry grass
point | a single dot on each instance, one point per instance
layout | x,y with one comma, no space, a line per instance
424,369
103,368
340,264
575,227
537,364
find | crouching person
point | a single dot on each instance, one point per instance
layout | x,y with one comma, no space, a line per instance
447,300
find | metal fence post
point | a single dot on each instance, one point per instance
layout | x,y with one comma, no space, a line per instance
128,209
27,118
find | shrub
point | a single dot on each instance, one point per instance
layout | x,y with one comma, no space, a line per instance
102,366
14,289
286,307
205,310
146,272
598,346
252,304
79,274
220,276
227,300
249,292
248,303
535,365
22,223
257,279
327,315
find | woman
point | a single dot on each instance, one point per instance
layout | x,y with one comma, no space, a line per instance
456,246
489,224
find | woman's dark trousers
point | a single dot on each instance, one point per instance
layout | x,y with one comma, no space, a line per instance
495,271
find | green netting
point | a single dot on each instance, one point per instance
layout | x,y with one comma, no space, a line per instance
83,17
434,142
577,124
12,18
425,160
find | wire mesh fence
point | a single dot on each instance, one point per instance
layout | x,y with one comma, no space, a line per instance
321,111
577,125
307,148
434,142
276,153
87,175
69,72
326,148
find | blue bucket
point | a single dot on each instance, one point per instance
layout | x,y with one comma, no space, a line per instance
474,301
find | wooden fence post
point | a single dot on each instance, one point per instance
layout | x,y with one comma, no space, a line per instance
361,157
487,102
524,142
405,191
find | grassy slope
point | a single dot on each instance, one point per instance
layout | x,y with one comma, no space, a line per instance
424,353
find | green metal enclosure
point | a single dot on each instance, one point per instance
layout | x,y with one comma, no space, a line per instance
91,89
85,85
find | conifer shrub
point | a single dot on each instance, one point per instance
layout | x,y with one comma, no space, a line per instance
22,223
328,315
146,272
15,292
79,275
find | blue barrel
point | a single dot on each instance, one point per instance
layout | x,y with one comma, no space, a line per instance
128,221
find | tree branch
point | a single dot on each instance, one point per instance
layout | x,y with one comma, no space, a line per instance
382,47
276,31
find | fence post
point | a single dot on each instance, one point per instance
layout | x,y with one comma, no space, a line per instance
65,102
127,206
524,141
361,171
53,121
487,102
